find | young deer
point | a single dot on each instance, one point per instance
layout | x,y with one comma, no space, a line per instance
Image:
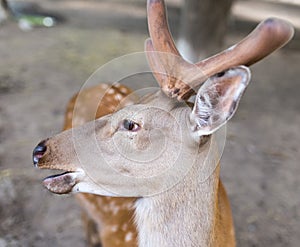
160,152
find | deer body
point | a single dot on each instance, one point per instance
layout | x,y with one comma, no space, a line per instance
161,152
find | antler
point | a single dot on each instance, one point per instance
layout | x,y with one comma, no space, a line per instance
177,77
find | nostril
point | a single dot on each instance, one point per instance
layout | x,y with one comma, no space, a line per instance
39,152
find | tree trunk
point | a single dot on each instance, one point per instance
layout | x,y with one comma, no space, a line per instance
203,27
3,10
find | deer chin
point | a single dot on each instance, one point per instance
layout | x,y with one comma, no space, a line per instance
63,183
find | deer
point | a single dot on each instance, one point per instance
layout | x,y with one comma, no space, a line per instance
147,169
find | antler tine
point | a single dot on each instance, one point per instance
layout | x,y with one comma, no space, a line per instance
268,36
178,78
159,28
164,59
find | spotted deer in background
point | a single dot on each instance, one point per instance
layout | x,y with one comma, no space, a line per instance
192,211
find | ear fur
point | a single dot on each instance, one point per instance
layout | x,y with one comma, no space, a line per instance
218,99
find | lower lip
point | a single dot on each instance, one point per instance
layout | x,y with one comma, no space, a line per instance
61,183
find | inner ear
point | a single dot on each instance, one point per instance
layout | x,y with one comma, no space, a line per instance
218,99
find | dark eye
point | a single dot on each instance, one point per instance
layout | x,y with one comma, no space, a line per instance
130,125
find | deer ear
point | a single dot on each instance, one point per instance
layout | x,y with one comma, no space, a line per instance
218,99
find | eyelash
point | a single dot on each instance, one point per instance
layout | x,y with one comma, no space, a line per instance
130,125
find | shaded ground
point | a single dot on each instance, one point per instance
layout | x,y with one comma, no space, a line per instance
40,70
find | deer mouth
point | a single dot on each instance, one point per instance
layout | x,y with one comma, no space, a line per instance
62,183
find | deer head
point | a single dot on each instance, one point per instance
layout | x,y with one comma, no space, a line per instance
147,147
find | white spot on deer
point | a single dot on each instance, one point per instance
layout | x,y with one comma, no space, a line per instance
118,96
115,210
114,228
111,91
124,227
128,236
124,90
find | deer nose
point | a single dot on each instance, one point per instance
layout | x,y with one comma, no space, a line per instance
39,152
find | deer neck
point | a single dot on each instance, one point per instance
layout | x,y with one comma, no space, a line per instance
182,216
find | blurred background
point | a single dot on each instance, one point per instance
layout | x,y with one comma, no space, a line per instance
46,58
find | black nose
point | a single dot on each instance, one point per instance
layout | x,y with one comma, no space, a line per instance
39,152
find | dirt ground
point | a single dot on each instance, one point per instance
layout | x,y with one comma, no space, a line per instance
41,69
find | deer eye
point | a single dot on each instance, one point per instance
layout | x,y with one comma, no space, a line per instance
130,125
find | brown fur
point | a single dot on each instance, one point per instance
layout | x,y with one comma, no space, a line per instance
224,229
